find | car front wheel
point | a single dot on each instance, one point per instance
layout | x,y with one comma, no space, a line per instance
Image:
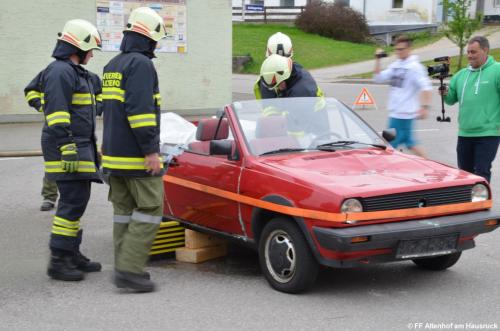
285,258
439,262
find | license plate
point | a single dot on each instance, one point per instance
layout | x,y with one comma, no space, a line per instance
432,246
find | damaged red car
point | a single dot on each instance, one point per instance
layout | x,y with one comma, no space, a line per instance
306,182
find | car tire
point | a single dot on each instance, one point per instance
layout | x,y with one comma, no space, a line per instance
285,257
439,262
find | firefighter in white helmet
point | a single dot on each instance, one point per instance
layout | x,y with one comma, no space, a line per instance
131,104
279,43
285,79
67,93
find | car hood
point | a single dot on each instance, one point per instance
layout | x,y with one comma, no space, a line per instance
368,172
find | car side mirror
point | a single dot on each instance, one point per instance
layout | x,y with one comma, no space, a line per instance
223,147
389,134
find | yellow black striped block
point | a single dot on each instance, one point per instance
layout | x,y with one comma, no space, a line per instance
169,237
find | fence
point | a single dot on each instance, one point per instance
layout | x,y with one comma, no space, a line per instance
269,14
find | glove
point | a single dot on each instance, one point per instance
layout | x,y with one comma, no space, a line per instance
69,157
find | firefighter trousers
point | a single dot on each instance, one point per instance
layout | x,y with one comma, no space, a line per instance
138,210
66,232
49,190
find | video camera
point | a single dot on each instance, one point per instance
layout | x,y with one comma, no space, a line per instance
441,71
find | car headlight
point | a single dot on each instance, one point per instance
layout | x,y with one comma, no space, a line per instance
351,206
479,193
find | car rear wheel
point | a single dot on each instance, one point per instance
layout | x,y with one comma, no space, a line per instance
285,258
439,262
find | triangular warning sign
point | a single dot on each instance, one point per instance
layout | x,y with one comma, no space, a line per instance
365,99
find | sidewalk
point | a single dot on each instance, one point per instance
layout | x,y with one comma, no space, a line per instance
23,139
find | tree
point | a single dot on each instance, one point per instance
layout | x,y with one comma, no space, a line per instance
460,25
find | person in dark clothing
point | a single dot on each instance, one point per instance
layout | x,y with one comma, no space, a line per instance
67,96
279,43
34,98
131,146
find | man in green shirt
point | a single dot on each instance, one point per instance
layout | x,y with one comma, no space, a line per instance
477,90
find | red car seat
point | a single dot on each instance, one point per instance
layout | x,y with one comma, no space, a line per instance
206,131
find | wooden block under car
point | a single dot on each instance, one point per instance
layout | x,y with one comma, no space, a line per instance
198,255
195,239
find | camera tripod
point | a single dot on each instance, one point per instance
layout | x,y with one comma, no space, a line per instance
442,88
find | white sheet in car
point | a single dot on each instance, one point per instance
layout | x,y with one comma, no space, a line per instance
175,130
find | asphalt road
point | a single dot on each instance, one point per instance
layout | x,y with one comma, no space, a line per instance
230,293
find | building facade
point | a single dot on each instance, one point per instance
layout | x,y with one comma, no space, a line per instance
190,83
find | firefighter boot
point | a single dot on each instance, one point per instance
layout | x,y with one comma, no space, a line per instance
47,205
133,281
82,262
61,267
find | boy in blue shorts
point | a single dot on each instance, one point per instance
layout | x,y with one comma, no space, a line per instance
410,94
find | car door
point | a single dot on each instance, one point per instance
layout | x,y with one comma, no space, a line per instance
190,187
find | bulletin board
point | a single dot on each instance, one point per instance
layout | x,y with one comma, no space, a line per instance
112,16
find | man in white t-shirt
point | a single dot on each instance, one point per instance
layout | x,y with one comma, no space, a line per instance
410,94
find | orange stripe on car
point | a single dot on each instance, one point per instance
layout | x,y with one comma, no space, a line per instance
333,217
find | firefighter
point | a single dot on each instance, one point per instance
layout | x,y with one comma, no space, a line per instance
33,96
131,103
287,80
67,97
280,44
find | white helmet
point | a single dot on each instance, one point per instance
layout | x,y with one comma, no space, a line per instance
82,34
147,22
275,69
279,43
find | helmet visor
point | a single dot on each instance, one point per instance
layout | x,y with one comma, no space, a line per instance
272,80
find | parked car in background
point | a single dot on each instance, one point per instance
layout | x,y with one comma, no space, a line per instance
307,182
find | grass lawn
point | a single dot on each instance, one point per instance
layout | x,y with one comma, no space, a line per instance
310,50
454,59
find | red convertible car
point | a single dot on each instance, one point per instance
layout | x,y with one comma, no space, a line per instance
307,182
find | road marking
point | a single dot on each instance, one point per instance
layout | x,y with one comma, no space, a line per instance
426,130
11,158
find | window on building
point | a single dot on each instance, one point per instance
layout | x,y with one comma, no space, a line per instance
287,3
398,3
256,2
496,3
343,2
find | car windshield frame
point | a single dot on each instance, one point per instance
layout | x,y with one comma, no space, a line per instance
309,117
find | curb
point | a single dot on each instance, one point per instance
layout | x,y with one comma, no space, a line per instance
20,153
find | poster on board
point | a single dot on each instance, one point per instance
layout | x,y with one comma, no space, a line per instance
112,16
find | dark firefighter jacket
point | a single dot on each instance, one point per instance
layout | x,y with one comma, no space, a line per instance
131,104
67,96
